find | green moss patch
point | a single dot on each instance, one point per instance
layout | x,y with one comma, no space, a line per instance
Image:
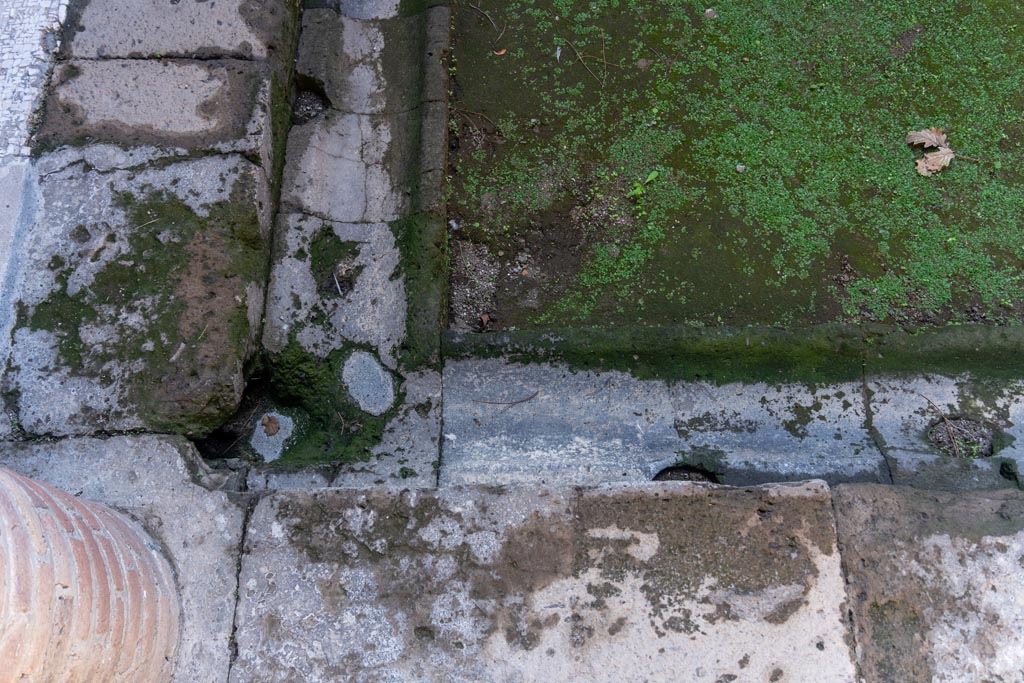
741,166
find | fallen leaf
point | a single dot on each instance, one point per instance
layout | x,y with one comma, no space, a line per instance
933,162
928,137
499,53
270,425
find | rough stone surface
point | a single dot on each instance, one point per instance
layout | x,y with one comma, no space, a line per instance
219,105
359,299
666,582
903,416
142,28
86,593
368,383
271,436
407,456
507,423
12,182
935,582
138,291
28,38
758,433
149,478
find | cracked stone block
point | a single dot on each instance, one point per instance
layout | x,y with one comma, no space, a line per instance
151,479
908,409
252,29
217,105
333,284
935,582
350,168
138,292
671,582
506,423
756,433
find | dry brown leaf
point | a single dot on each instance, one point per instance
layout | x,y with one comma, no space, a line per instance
271,426
928,137
933,162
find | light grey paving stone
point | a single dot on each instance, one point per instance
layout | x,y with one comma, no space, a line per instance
906,409
361,9
271,435
139,293
324,304
934,582
756,433
407,456
672,582
349,167
368,383
151,479
214,105
509,423
506,423
263,479
144,28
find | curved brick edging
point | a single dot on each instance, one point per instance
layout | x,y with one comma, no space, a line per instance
84,593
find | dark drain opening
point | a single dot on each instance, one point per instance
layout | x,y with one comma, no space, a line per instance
687,473
963,437
310,100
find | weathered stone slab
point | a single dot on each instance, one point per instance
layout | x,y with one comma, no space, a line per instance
12,195
139,293
150,479
333,284
351,168
144,28
675,582
935,582
215,105
907,409
506,423
509,423
756,433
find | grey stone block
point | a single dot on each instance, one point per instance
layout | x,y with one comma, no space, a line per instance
934,582
359,300
145,28
220,105
506,423
407,456
905,409
756,433
13,174
675,582
149,478
139,293
270,437
350,168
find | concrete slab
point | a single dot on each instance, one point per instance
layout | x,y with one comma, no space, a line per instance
138,291
150,478
507,423
212,105
661,582
359,297
935,582
756,433
145,28
12,185
906,409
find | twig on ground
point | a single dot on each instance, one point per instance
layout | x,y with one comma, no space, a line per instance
512,403
580,57
945,420
467,113
486,15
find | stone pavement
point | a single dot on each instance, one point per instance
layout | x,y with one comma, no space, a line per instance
179,259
